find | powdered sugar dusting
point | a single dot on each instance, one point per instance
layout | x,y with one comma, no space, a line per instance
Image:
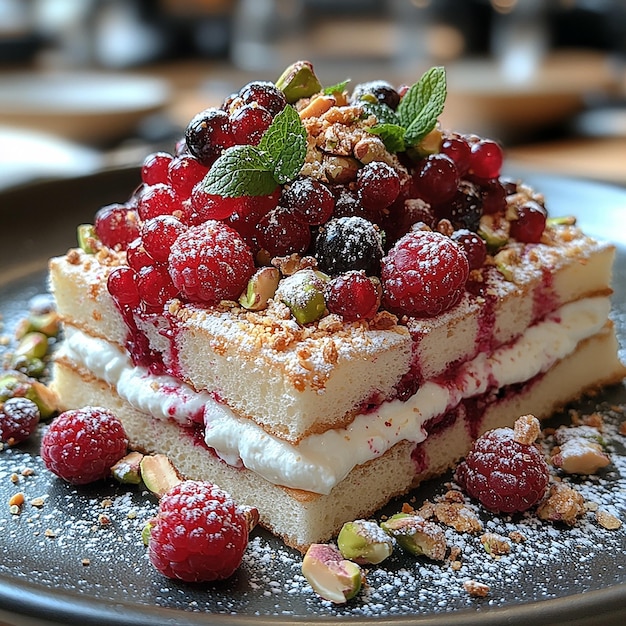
86,542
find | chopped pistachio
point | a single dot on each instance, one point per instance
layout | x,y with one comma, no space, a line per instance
298,81
261,287
364,541
86,235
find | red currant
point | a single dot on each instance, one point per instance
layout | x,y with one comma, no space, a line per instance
280,234
155,286
436,178
353,295
378,185
486,159
116,225
154,168
459,151
208,133
530,222
264,93
474,246
159,199
122,286
158,234
249,123
309,200
184,173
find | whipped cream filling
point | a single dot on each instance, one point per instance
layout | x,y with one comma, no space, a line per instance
320,461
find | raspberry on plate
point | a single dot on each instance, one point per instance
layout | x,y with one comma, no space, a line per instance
18,419
81,446
504,472
199,534
424,274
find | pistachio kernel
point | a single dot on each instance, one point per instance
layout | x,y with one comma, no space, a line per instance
87,238
298,81
364,541
303,293
261,287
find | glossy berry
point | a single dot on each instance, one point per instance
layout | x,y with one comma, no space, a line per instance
184,173
349,243
159,199
530,222
205,206
378,185
486,159
199,534
81,446
122,285
210,262
18,420
458,149
493,197
155,287
264,93
136,255
310,201
436,178
158,234
116,225
347,204
474,246
249,212
424,274
208,133
464,209
249,123
378,91
352,295
503,474
155,167
280,234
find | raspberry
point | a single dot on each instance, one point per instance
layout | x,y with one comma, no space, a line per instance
116,225
503,474
199,534
81,446
18,419
210,262
424,274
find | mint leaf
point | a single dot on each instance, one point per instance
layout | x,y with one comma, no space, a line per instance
392,136
284,142
241,171
422,104
338,88
384,114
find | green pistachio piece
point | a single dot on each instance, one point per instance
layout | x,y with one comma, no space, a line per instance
158,474
494,233
417,535
33,345
330,575
261,287
146,531
86,235
364,541
303,293
17,384
563,220
46,323
128,469
299,81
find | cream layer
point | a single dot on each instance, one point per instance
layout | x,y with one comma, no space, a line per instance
320,461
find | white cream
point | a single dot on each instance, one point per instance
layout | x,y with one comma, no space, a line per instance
320,461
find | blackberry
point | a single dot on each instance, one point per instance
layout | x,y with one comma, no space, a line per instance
465,208
381,90
349,243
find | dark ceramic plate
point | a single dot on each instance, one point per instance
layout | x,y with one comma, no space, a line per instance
62,563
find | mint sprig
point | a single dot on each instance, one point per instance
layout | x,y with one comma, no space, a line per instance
257,170
337,88
417,112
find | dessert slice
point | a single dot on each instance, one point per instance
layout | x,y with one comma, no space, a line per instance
320,300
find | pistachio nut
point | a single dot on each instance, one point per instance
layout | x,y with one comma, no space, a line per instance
364,541
417,535
261,287
298,81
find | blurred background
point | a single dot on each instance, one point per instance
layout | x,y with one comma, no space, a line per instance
92,84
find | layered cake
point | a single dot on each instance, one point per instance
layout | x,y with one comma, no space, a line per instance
321,298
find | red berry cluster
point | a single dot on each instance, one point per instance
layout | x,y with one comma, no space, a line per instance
348,221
